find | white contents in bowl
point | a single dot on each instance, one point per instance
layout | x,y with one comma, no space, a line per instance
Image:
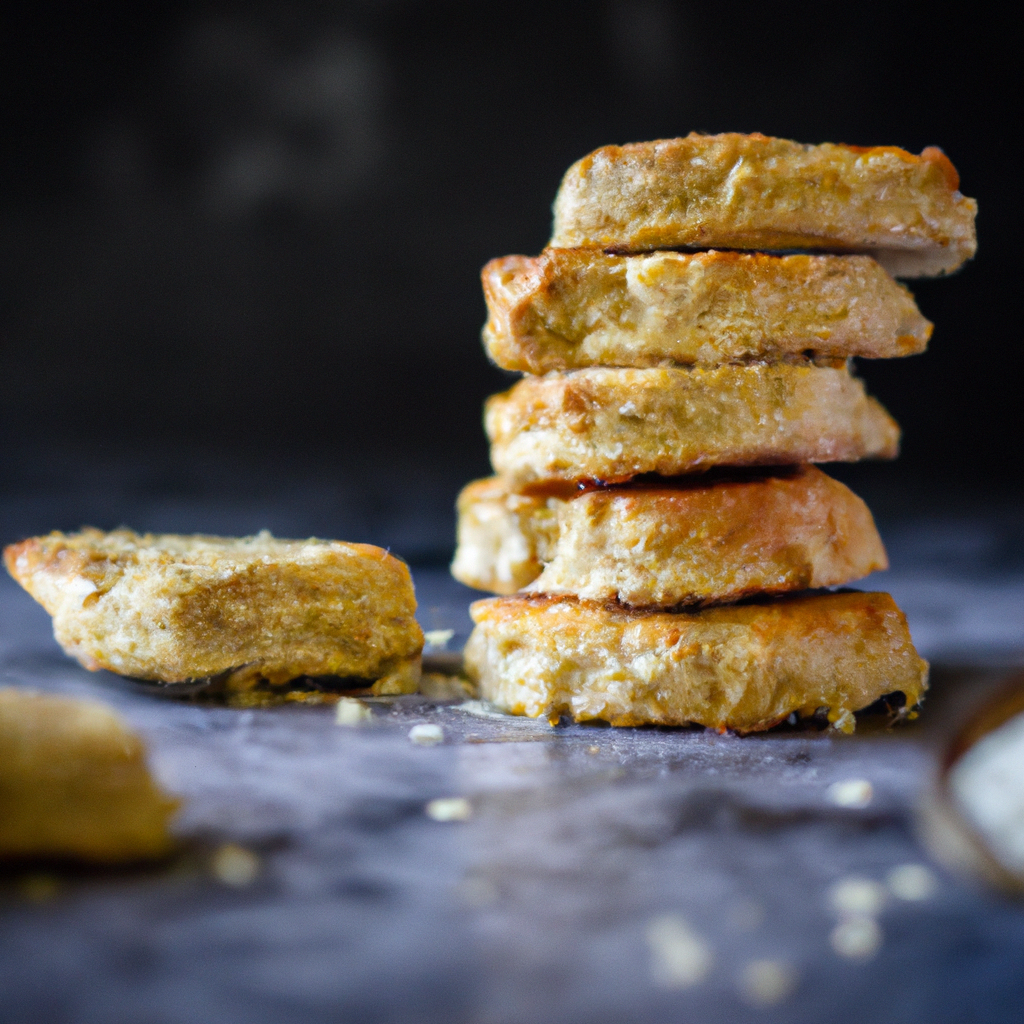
987,783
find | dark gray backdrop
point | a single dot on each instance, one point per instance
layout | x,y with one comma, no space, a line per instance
241,240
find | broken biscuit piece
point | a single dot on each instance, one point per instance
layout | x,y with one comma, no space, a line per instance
74,783
744,667
735,191
663,543
614,424
244,610
571,308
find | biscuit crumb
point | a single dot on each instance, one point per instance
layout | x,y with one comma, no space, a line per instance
352,713
235,866
851,793
426,735
767,982
857,896
842,720
438,638
449,808
680,957
857,938
912,882
481,709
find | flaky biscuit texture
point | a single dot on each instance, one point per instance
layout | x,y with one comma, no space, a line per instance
504,538
708,542
176,608
735,191
662,543
74,783
612,424
743,667
572,308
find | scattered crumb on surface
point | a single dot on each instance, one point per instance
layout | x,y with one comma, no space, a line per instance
438,638
449,808
235,866
912,882
426,734
857,938
857,896
482,710
851,793
351,712
680,958
767,982
843,720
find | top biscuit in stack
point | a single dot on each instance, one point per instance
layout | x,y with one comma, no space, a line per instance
669,362
735,191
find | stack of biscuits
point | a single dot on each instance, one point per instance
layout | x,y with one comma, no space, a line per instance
666,546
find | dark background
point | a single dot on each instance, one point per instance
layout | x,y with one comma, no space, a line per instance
241,241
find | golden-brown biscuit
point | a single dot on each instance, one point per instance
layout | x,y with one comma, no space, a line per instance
571,308
176,608
692,540
736,191
74,784
745,667
612,424
504,537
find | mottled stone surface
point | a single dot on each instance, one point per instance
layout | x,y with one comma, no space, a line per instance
588,853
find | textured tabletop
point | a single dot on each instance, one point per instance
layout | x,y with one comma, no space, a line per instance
602,875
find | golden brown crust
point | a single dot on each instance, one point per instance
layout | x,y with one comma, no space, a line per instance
571,308
692,540
712,542
73,783
735,191
176,608
744,667
613,424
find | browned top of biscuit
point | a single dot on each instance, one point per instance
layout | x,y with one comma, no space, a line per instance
757,192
